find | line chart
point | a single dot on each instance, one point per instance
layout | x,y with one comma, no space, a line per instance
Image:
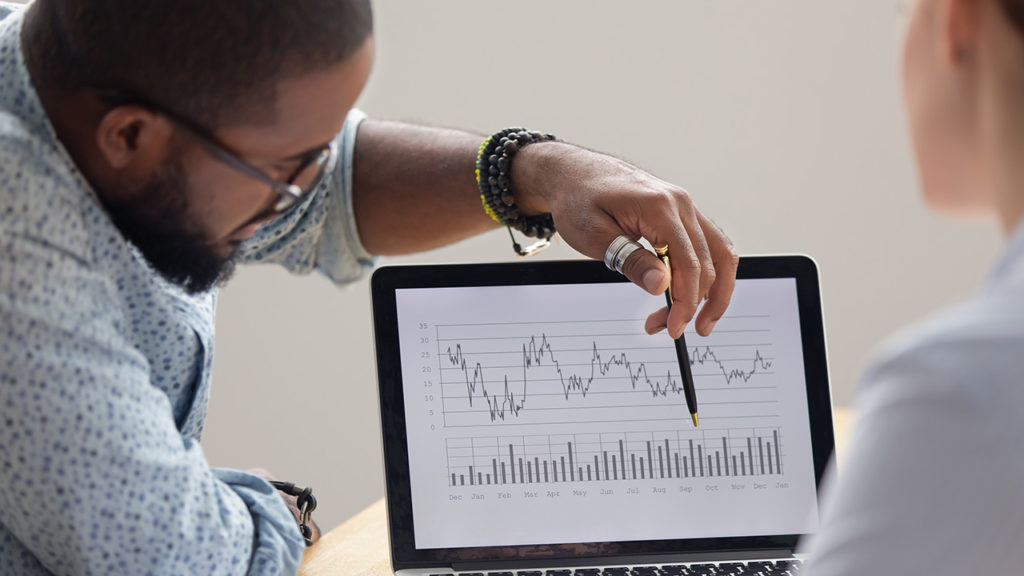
518,373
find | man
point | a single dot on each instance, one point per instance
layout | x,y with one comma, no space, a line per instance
145,147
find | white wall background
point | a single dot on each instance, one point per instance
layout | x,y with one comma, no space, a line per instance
782,118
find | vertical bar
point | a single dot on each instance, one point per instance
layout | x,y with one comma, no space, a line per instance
563,467
778,451
462,479
686,467
642,471
693,471
588,472
597,469
718,463
750,456
633,457
504,479
453,479
488,478
700,456
661,464
615,468
743,464
725,456
545,471
471,483
735,469
572,469
554,471
711,470
522,477
607,476
650,459
580,470
512,462
622,459
494,464
480,477
668,456
536,467
529,472
770,458
760,448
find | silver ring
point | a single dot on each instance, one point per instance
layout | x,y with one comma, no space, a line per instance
617,252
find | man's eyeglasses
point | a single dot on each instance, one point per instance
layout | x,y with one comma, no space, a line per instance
310,172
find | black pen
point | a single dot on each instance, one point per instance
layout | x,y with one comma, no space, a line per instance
681,352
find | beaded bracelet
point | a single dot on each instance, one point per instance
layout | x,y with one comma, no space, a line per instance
493,166
305,502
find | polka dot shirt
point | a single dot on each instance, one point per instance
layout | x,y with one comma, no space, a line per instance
105,372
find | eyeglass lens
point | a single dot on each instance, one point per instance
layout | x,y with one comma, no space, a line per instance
307,177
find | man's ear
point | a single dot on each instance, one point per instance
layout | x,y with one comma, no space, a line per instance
132,137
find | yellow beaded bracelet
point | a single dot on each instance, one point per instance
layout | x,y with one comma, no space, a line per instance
493,169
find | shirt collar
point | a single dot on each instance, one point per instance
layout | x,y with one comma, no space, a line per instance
17,93
18,96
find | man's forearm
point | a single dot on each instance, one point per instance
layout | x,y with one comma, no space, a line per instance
414,187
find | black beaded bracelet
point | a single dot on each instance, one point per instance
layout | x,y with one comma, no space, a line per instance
493,166
305,502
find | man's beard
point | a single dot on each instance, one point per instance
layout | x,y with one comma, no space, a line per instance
157,222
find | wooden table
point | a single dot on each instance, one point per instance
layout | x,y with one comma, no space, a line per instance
359,547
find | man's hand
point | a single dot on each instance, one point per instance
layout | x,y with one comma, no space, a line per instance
291,501
414,190
594,198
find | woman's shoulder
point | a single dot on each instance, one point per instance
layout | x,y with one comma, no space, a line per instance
972,351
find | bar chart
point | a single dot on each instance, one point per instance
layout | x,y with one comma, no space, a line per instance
614,457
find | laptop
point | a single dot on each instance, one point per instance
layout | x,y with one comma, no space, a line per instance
532,428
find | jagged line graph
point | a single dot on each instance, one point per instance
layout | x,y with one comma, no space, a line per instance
480,385
509,404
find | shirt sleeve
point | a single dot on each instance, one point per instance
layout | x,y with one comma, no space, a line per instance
931,482
94,475
320,234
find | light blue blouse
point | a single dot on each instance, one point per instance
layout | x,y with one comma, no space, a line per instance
933,476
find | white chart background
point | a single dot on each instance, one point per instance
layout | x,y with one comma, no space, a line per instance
533,366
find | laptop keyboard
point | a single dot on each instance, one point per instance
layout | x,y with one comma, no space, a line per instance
777,568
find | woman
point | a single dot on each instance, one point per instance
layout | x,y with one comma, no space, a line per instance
933,482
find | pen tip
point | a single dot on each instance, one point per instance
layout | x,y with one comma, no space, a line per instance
694,416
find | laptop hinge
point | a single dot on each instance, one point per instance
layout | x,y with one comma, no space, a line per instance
632,560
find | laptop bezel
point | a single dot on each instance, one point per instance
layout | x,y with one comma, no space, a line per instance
386,280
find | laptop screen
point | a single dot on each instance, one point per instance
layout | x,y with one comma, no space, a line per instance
539,412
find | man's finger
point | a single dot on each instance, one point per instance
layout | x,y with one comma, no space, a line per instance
686,270
644,269
702,251
726,262
656,321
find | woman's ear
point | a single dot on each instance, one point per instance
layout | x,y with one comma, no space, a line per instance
132,138
960,21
